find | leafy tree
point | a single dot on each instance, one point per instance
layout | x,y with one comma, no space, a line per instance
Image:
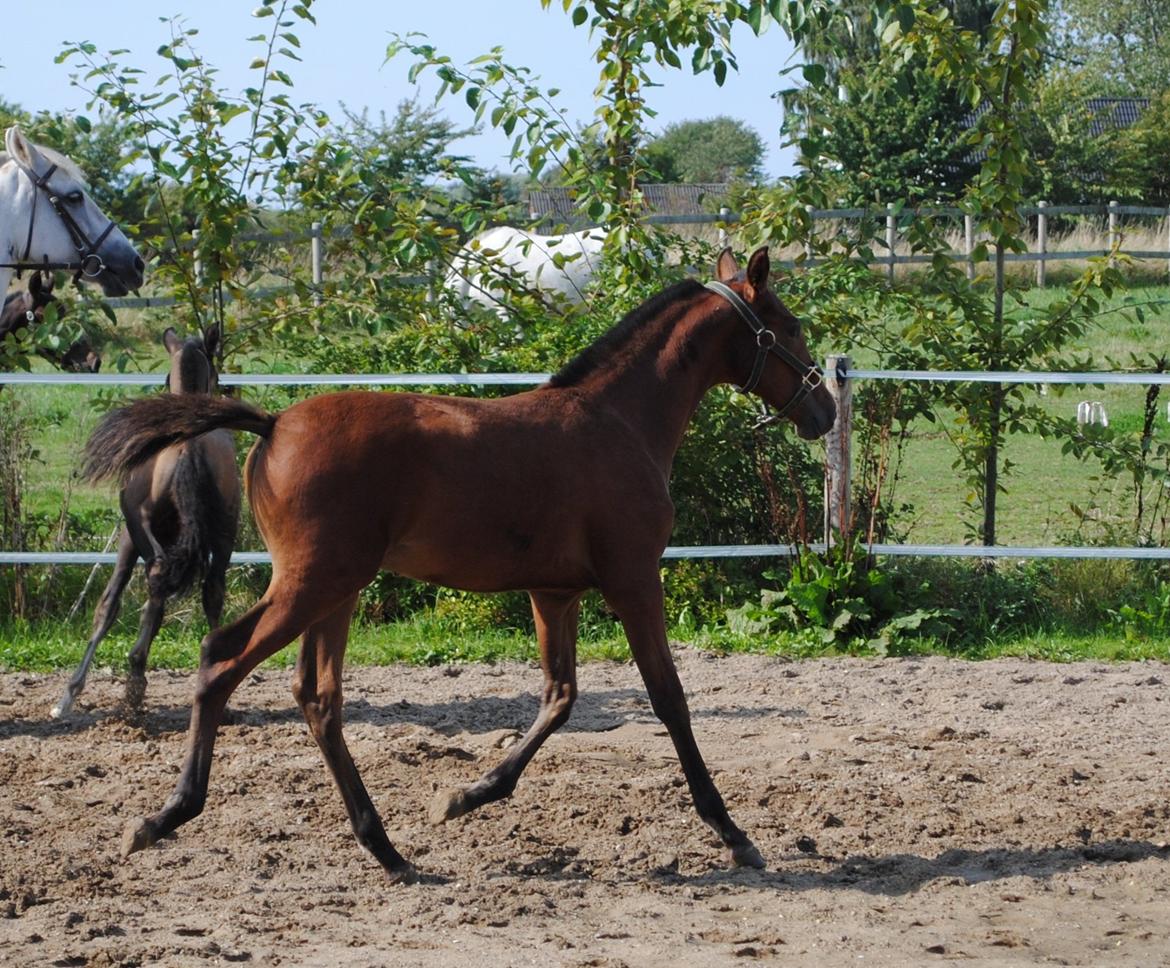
891,132
1142,171
206,173
1123,46
889,128
719,149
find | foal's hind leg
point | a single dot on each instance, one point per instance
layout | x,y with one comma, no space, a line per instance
556,631
103,619
215,587
228,655
640,609
152,616
317,689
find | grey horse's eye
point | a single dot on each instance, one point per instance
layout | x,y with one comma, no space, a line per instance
74,197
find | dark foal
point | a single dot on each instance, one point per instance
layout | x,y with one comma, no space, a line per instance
23,308
181,510
557,490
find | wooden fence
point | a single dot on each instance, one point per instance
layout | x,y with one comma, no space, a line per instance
895,220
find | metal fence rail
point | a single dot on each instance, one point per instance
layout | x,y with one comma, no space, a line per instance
673,552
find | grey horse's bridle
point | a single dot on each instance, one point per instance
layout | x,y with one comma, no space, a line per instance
89,263
810,375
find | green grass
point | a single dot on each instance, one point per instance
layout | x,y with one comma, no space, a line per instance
47,646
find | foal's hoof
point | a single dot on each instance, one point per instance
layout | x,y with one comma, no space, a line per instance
135,693
404,875
62,709
137,835
746,855
447,805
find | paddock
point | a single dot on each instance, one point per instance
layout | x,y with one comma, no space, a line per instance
912,811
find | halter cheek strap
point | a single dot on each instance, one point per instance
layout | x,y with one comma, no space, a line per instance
90,263
810,375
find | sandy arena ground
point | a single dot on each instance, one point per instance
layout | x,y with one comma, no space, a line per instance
913,812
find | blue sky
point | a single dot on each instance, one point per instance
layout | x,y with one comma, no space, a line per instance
343,58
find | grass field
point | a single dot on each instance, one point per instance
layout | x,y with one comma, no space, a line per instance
1034,510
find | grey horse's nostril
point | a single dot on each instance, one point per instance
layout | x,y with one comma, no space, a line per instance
139,265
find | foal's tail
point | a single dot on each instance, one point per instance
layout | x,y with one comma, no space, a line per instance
132,435
204,522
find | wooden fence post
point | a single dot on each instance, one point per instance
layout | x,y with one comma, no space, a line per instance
1041,243
724,212
808,244
1113,230
838,453
315,246
891,240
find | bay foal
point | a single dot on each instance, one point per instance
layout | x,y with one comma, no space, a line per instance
557,490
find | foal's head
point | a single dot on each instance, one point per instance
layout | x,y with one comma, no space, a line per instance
192,366
785,377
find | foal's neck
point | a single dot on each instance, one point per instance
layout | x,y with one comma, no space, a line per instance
657,383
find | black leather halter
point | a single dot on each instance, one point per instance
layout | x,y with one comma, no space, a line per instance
89,262
810,375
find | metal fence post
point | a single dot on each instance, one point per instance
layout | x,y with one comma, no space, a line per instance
1041,243
891,240
838,453
315,246
969,244
808,244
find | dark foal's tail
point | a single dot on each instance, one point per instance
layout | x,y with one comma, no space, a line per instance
203,520
132,435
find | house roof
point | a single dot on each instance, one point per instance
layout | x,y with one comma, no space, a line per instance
673,199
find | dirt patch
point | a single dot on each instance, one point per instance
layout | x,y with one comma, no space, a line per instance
911,812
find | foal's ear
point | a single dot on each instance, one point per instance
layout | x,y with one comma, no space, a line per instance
757,273
211,341
171,340
726,268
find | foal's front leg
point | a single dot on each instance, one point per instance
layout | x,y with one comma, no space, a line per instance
556,631
103,618
640,609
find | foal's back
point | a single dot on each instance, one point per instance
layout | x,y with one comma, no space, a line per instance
477,494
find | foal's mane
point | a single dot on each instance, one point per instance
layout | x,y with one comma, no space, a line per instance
609,343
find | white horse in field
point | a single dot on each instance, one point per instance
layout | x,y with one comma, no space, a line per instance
504,260
48,221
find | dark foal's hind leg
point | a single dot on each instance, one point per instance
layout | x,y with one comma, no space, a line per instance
640,609
228,655
103,619
215,588
317,689
556,631
152,616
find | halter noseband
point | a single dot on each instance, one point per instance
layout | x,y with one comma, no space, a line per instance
90,263
810,375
